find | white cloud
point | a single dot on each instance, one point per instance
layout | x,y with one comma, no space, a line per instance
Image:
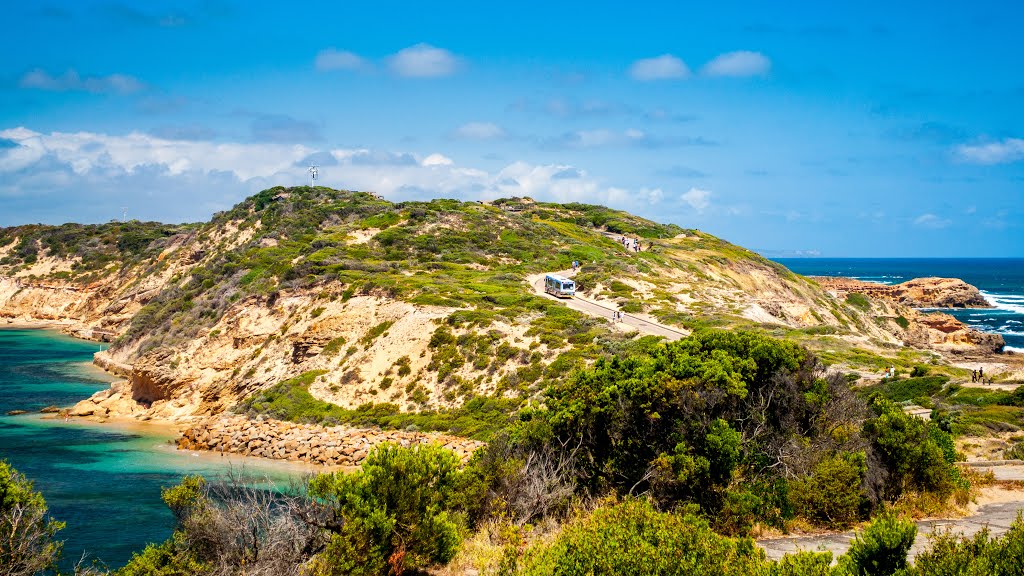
629,198
71,81
423,61
332,59
601,137
86,176
480,131
932,221
742,63
699,200
1001,152
437,160
661,67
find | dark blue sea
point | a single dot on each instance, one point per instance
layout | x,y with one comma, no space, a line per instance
104,480
1001,281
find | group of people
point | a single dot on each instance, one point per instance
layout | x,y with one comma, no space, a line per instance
616,316
575,265
631,243
891,372
978,375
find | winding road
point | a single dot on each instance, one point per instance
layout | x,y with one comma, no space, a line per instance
605,311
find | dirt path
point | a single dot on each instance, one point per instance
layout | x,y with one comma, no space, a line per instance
997,515
592,308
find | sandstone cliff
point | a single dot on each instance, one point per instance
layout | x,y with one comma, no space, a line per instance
918,293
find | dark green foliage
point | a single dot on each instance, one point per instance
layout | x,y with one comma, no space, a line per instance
881,549
689,418
28,543
831,495
916,455
397,511
902,322
919,371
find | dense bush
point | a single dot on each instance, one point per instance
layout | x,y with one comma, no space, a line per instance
881,549
397,512
831,495
916,456
689,419
632,538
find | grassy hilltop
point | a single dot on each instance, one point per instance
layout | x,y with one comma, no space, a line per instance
387,307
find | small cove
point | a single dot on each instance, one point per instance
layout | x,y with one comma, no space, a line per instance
104,480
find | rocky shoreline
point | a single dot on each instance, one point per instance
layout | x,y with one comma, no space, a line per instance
321,445
916,293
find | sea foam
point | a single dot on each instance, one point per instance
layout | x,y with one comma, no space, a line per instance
1009,303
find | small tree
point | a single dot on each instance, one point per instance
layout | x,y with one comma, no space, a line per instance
832,494
881,549
27,532
396,513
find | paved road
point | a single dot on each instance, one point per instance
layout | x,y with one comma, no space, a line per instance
597,310
997,517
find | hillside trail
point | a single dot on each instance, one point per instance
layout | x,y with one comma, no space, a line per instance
598,310
997,515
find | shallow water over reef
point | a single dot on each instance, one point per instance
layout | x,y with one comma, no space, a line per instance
104,480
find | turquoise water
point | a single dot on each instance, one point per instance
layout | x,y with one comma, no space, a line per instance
104,480
1001,281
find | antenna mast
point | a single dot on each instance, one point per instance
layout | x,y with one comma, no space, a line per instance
314,172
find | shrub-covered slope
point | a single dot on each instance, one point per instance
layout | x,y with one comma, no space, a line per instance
416,304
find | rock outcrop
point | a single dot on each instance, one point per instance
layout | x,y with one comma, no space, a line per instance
947,332
329,446
917,293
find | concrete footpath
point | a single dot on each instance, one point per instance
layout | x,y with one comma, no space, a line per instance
996,516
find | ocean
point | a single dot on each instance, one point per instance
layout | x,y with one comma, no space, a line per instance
1001,281
104,480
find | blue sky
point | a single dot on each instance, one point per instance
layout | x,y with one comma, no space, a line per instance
853,129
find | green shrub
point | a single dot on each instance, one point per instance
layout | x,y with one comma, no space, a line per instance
632,538
374,332
917,455
979,555
902,322
858,300
671,420
334,346
396,511
169,558
831,496
913,388
804,564
919,371
28,543
881,549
